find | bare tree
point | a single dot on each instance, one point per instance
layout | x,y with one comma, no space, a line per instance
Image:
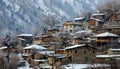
49,22
12,64
110,7
44,28
64,39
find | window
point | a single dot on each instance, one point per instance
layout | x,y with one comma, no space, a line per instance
25,51
32,56
70,31
93,51
84,51
75,51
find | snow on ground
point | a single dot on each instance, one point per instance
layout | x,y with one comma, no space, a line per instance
82,66
27,66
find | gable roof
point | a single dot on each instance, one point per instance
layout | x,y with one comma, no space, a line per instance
79,19
25,35
80,45
106,34
1,48
75,46
96,19
98,14
35,47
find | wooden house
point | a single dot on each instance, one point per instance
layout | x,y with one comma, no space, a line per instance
46,38
52,31
78,40
27,38
98,16
112,60
114,28
107,40
94,22
114,16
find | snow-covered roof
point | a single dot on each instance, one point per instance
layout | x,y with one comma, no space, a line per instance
40,60
45,35
75,46
106,34
83,31
46,67
26,54
96,19
107,56
35,47
115,49
1,48
98,14
78,18
25,35
82,66
46,52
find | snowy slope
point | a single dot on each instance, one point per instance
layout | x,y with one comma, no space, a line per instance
21,16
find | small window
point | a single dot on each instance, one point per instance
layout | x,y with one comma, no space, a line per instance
25,51
70,31
32,56
75,51
93,51
84,51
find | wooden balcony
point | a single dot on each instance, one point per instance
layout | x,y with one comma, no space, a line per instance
102,40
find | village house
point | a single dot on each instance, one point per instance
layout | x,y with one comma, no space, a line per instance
49,41
100,16
71,27
114,28
82,53
107,40
93,22
78,40
53,30
112,60
58,58
114,16
32,55
25,39
46,39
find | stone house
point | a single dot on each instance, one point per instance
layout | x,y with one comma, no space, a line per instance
81,53
32,55
71,27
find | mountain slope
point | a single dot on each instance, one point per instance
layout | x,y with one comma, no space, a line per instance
21,16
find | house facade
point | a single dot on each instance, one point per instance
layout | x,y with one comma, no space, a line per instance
107,40
81,53
71,27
